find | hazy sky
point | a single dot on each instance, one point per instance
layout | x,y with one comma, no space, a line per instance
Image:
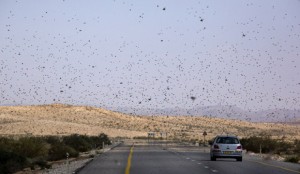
150,54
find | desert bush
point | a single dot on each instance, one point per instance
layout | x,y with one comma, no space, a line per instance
52,140
292,159
283,147
78,142
41,162
84,143
11,162
104,138
254,143
96,142
7,143
31,147
297,146
58,152
32,151
267,144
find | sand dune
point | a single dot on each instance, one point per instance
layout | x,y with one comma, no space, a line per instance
59,119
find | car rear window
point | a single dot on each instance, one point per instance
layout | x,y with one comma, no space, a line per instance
227,140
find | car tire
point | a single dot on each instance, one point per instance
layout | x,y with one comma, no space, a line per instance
239,159
212,158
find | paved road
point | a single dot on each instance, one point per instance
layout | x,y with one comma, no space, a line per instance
155,159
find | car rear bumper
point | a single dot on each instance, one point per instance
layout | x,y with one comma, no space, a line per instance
234,154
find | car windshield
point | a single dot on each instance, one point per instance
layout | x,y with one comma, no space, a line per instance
227,140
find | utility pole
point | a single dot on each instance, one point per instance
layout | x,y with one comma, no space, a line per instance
166,139
204,134
68,163
260,149
103,146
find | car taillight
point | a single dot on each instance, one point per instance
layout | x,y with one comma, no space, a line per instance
239,147
216,146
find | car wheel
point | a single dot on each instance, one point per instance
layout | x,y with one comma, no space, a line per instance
239,159
212,158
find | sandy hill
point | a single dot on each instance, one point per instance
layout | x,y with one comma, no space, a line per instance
59,119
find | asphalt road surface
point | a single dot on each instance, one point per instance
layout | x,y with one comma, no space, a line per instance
175,159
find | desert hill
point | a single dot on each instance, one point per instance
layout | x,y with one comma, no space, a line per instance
60,119
222,111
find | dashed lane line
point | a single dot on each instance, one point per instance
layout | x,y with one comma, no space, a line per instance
206,167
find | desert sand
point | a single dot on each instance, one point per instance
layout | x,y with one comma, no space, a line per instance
60,119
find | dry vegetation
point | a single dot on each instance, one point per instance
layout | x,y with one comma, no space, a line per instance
59,119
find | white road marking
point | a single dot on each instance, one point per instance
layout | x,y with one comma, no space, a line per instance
206,167
199,163
215,171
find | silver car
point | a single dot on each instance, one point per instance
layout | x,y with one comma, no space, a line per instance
226,147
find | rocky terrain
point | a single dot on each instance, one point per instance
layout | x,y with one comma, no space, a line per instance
60,119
